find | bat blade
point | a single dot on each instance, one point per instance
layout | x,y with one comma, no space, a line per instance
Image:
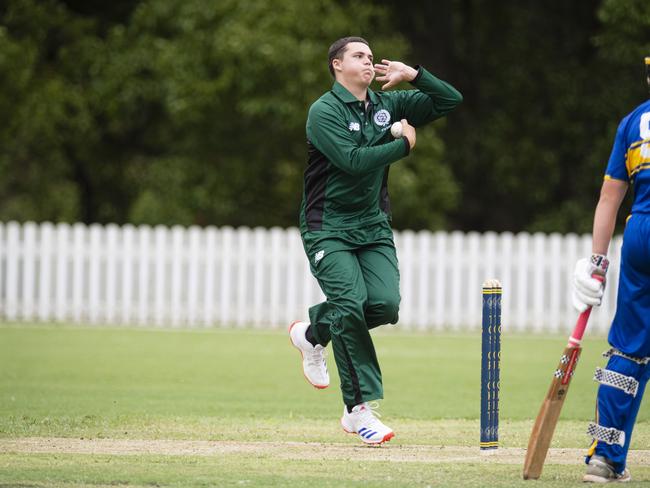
549,413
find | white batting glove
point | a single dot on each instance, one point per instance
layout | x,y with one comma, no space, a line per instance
588,291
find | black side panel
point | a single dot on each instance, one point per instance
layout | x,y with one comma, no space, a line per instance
384,200
315,186
353,376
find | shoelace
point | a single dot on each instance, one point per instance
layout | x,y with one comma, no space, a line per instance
316,356
369,415
374,408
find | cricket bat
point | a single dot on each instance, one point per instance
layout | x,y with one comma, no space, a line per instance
549,413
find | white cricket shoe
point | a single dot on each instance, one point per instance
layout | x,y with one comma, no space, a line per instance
363,421
313,358
601,470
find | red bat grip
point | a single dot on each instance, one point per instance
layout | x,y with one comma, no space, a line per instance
581,323
579,329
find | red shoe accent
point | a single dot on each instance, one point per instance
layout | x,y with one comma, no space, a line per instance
388,437
320,387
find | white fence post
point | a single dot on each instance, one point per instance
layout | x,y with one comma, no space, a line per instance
406,246
504,271
439,288
295,256
226,281
143,252
96,258
161,283
424,315
522,299
539,290
14,258
126,306
80,253
28,271
275,283
113,263
455,278
45,250
177,258
195,256
209,277
242,255
59,254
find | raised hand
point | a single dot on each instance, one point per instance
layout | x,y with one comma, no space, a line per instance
393,73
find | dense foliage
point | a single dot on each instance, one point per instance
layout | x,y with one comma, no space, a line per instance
193,111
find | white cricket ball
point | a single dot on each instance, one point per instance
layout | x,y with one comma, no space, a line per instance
396,130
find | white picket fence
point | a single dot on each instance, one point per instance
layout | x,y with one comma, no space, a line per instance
204,277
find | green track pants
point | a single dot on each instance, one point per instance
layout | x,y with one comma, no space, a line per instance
358,273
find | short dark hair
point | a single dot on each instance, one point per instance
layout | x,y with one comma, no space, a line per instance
337,50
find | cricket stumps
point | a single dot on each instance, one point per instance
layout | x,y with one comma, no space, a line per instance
490,365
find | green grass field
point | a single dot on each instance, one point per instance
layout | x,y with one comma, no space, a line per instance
231,408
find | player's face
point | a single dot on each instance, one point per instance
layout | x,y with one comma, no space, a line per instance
356,66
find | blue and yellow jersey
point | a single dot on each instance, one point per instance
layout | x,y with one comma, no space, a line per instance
630,158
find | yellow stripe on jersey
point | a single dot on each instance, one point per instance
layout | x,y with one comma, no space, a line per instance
638,157
638,143
611,178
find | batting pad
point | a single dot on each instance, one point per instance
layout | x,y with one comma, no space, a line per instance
616,380
609,435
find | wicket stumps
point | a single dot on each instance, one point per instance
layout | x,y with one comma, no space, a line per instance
490,358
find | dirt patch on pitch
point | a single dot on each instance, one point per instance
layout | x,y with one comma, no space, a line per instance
391,452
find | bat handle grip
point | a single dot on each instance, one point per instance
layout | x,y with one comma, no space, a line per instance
581,324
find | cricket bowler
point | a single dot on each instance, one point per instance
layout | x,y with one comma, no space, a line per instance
623,380
345,219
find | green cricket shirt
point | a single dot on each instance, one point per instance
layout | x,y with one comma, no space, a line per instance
350,149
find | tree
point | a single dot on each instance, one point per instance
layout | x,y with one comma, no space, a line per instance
43,114
190,112
543,96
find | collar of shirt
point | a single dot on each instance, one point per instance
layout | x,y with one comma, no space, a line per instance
346,97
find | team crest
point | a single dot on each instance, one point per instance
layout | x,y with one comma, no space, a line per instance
382,118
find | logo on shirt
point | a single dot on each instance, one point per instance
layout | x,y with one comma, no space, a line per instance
319,255
354,126
382,118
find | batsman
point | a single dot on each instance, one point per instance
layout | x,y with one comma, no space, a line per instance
623,380
345,219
